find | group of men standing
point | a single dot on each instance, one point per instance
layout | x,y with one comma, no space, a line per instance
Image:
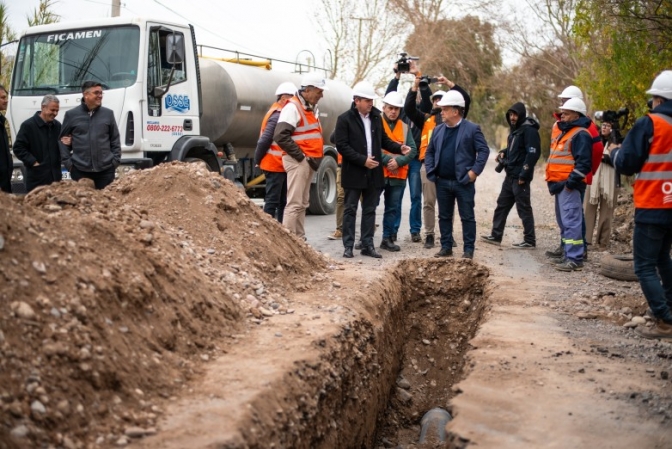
87,144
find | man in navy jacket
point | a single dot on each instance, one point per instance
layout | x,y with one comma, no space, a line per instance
456,155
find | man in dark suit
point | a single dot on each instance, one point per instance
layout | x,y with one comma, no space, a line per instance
6,163
359,138
456,155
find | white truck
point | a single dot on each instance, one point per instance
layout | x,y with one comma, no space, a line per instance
170,103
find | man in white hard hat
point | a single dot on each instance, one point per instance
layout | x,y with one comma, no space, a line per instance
568,163
428,122
299,134
268,155
456,155
647,151
396,169
360,140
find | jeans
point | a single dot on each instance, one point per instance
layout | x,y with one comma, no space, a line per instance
514,193
429,201
275,198
101,179
447,193
392,214
415,187
651,248
569,214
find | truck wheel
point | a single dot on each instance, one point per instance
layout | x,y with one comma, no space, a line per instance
323,191
618,267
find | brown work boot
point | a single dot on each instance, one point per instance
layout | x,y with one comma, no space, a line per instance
661,331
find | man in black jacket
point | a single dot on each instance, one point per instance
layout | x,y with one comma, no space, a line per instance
6,164
95,151
359,139
37,145
518,160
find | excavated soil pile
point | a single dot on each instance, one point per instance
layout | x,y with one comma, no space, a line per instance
111,300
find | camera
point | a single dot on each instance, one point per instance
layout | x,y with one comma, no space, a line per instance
426,80
404,63
501,162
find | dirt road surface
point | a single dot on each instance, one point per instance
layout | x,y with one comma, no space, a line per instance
255,341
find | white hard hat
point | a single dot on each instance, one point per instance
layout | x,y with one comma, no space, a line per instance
314,79
571,92
364,90
575,104
286,88
451,98
662,85
394,99
438,93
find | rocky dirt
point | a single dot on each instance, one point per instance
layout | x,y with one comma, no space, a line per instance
168,311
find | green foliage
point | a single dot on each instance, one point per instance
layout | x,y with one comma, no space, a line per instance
43,14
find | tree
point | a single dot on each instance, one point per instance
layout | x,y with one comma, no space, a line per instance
43,14
7,35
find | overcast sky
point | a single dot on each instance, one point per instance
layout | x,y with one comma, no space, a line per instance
280,29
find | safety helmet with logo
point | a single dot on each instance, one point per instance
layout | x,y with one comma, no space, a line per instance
576,105
364,89
662,85
452,98
314,79
286,88
394,99
571,92
438,93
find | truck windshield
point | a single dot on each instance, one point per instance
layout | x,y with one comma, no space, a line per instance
59,62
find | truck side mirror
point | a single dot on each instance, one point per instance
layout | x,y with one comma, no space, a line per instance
174,49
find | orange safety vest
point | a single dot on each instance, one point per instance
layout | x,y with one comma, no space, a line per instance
560,161
427,131
308,132
272,160
399,136
653,185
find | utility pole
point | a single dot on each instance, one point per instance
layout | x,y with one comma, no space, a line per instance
116,8
359,38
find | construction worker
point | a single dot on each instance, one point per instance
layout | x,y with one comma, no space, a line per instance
299,134
268,155
568,163
427,122
647,151
396,169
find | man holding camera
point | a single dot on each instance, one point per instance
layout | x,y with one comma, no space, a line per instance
517,160
647,150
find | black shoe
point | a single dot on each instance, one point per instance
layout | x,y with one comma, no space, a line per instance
468,255
348,253
415,237
393,237
389,245
491,240
371,252
523,245
445,252
429,241
358,245
557,252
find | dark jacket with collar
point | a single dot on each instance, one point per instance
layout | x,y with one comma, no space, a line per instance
471,151
6,163
95,145
351,144
523,145
37,141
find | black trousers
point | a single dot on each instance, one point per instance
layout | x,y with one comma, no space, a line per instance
275,198
514,193
370,198
101,179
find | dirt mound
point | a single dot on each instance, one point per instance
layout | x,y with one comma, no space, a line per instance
111,300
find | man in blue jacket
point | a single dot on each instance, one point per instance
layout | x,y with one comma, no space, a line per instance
456,155
647,151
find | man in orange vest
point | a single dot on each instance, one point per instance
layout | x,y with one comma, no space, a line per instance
396,169
647,151
268,155
568,164
299,134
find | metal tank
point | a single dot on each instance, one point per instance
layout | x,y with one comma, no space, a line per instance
236,98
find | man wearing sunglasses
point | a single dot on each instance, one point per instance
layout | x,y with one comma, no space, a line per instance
95,149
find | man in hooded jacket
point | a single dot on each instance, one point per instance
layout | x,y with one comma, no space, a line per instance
518,160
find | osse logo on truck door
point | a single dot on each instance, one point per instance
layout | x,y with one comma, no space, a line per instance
177,103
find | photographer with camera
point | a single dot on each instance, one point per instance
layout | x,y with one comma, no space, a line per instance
601,195
647,150
427,122
517,160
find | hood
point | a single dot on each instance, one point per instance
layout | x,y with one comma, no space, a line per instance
664,108
583,122
518,108
529,121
